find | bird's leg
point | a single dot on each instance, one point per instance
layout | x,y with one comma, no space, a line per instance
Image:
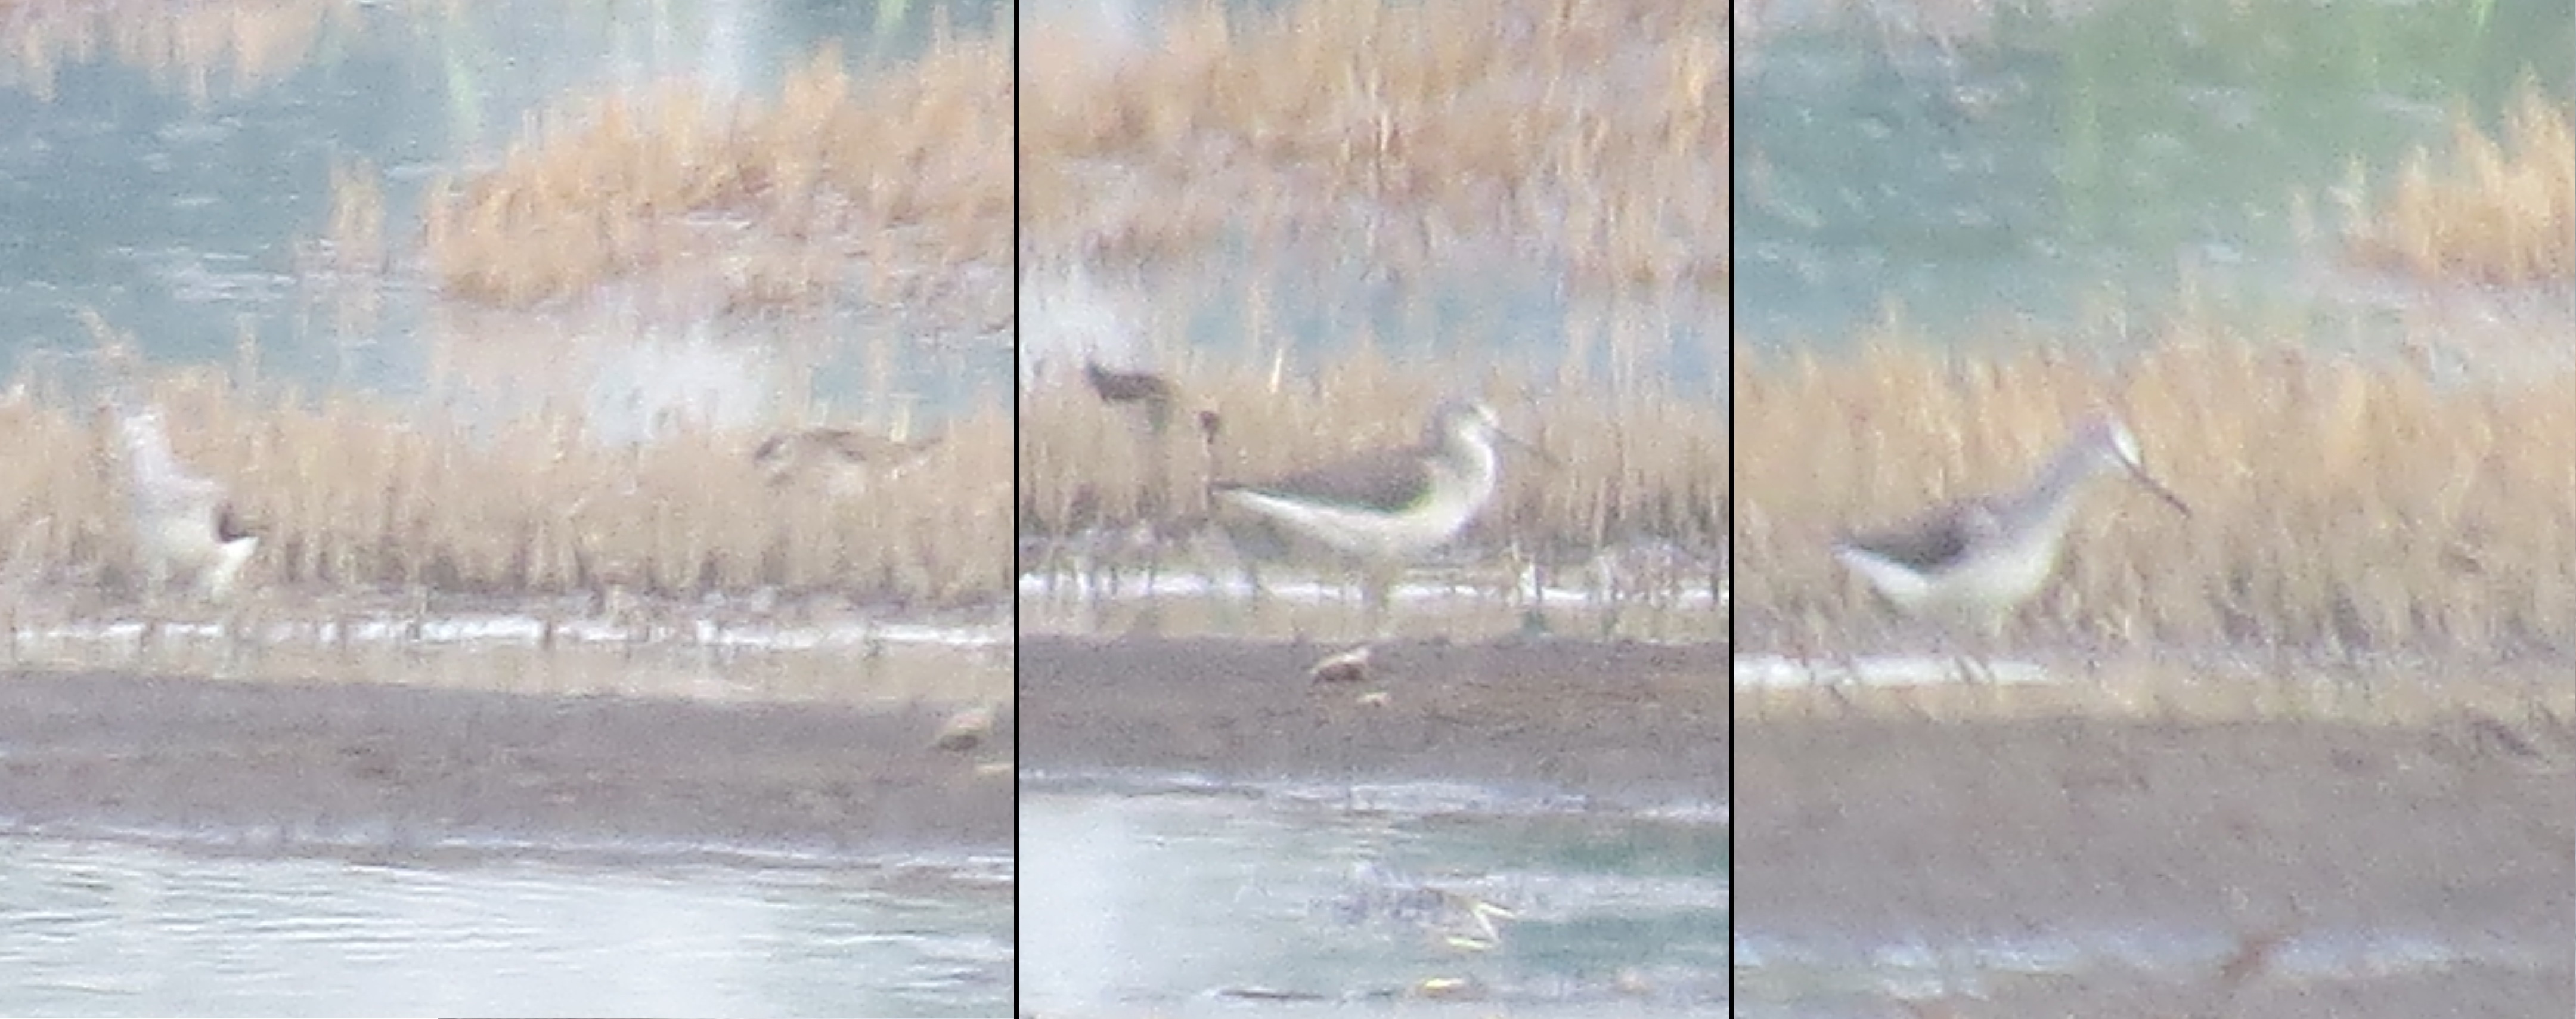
1987,640
1379,581
156,580
1260,597
1963,652
1963,658
1219,555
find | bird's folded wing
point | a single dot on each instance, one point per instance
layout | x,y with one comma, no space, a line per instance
1923,544
1383,482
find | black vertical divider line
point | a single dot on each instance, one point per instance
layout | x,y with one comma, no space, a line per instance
1734,493
1018,851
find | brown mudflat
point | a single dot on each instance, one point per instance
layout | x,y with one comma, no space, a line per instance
331,763
2460,829
1623,721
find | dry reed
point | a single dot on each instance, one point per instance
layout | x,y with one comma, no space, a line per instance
354,494
2499,212
906,176
2341,503
1594,132
345,268
180,45
356,235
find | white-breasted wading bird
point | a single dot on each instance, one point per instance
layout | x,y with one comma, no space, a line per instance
184,526
1381,507
1971,564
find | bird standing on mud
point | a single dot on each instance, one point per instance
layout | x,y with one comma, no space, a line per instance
1972,563
184,525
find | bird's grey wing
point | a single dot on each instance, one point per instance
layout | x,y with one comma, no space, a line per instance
1382,482
1931,541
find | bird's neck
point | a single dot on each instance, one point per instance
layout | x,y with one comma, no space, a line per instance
1472,451
1475,459
2052,495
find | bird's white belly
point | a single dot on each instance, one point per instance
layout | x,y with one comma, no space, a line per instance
1362,533
1994,585
181,545
1981,589
186,549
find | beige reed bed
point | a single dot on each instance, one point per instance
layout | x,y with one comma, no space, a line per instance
2341,501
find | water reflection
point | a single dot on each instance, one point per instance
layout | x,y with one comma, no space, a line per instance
1365,898
111,928
2049,165
183,204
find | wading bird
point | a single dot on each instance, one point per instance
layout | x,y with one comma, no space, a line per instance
1377,508
184,525
1971,564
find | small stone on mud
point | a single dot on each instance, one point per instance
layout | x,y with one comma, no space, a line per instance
966,729
1347,667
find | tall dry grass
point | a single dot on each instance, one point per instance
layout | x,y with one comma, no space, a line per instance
894,186
1596,133
2341,503
2494,211
359,494
205,50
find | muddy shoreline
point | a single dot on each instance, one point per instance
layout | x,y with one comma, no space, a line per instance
368,767
2447,829
1626,722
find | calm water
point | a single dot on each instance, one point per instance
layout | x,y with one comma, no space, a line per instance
2087,171
121,928
1182,898
179,216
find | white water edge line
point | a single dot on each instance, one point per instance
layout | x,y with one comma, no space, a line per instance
1775,672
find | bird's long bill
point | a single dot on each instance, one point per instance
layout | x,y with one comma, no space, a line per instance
1528,447
2148,482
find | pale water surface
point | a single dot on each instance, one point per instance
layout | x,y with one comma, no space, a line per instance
189,218
1181,896
123,927
2088,168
